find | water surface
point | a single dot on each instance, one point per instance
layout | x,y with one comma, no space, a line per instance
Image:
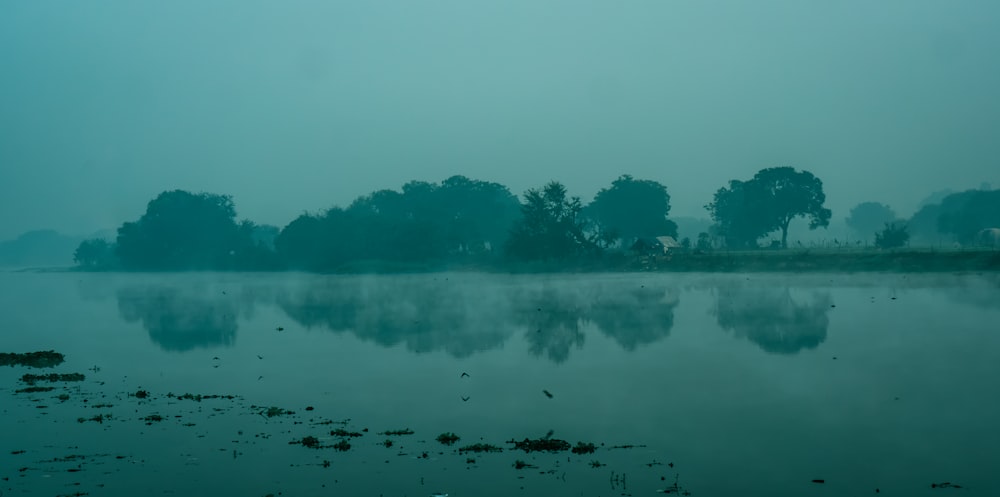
725,384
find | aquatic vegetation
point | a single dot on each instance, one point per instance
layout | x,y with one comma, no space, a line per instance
584,448
479,447
308,441
342,446
141,394
31,379
519,464
448,438
35,389
541,445
275,411
42,359
340,432
404,431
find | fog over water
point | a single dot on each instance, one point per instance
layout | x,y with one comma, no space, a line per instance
299,106
744,383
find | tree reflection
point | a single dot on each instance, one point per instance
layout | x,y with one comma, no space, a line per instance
637,317
552,320
772,319
424,315
180,320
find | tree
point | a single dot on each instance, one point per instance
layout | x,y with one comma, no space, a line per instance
965,214
893,235
95,253
183,230
632,208
748,210
868,217
550,226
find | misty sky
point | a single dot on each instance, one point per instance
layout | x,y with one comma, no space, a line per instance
299,106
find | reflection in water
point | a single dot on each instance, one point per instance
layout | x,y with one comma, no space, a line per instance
457,314
180,320
424,314
554,316
464,315
772,319
637,317
552,320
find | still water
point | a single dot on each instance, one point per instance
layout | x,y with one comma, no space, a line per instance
707,384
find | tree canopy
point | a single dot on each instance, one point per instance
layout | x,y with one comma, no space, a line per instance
550,227
632,208
867,218
183,230
768,202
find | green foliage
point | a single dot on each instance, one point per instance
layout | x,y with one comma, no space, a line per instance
748,210
632,209
424,222
182,230
95,254
893,235
550,227
867,217
967,213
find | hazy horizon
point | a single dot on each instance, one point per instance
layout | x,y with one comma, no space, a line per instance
297,107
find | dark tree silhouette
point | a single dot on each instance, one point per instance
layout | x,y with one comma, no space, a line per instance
550,227
423,222
893,235
95,253
748,210
773,320
867,218
182,230
632,208
967,213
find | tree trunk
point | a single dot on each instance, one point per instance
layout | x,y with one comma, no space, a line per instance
784,234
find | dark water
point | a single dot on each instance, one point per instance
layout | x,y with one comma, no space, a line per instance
746,384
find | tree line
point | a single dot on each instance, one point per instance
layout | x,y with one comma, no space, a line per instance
462,220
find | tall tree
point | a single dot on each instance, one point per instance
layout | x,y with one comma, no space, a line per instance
965,214
867,218
550,226
748,210
183,230
632,208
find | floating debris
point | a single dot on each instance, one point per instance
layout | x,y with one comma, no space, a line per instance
946,484
275,411
480,447
141,394
584,448
153,418
519,464
35,389
404,431
342,446
308,441
342,433
448,438
819,481
541,445
42,359
31,379
547,393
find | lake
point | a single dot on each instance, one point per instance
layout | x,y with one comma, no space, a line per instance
701,384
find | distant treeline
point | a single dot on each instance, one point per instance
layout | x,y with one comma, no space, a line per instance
461,221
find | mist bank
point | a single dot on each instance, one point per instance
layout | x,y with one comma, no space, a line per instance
461,223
